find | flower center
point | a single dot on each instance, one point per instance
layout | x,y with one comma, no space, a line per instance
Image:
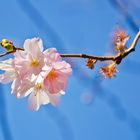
35,62
39,86
52,74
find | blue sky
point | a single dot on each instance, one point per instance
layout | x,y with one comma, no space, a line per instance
93,108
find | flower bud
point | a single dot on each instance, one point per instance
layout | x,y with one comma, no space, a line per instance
109,71
90,63
7,44
120,39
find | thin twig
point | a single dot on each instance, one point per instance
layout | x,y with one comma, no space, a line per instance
101,58
104,58
117,58
15,49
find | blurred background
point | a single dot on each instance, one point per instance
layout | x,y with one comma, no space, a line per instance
93,108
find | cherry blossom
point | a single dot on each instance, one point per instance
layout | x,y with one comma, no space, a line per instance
51,82
41,75
32,59
41,96
56,77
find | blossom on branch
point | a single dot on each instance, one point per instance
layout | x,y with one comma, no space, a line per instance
41,96
120,39
32,58
109,71
58,71
40,74
43,75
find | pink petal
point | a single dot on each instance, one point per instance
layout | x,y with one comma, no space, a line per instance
7,77
33,44
6,64
34,101
52,55
37,99
43,98
15,86
54,99
34,48
63,66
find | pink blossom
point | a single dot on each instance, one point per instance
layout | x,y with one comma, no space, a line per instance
51,82
41,75
56,73
26,64
40,95
31,60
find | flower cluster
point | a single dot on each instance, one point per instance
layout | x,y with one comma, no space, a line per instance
120,39
109,71
90,63
41,75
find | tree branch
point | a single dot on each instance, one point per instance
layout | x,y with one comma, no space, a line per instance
117,58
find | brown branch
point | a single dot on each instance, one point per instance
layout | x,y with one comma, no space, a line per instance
117,58
101,58
3,54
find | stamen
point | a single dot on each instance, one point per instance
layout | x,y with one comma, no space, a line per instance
52,74
39,86
35,62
